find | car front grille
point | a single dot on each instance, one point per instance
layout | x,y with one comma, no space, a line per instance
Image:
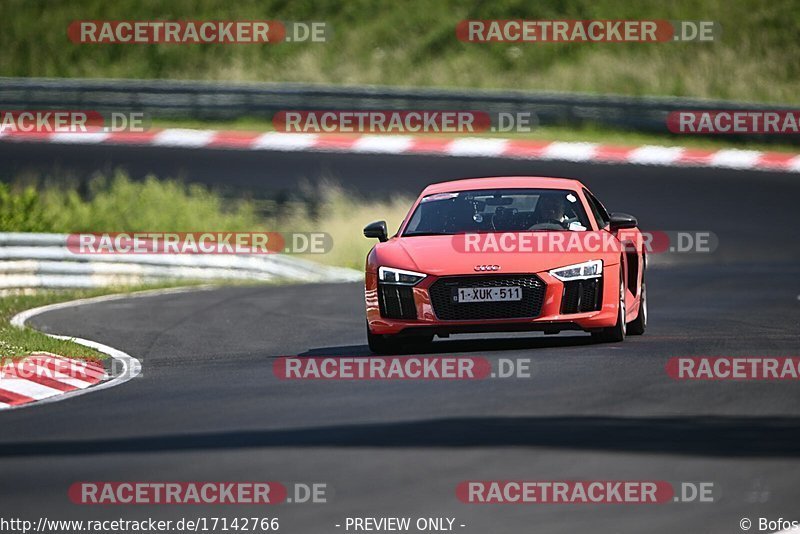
396,302
582,296
446,308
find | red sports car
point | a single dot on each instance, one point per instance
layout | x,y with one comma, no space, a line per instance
505,254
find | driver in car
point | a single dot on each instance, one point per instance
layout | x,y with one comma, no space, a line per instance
550,211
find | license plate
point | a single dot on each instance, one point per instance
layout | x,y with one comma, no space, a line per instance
487,294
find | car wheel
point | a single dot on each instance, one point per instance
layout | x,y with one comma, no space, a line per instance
389,344
638,325
617,332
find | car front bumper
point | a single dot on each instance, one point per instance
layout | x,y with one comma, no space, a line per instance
549,319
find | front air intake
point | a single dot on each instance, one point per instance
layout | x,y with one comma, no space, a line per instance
396,301
582,296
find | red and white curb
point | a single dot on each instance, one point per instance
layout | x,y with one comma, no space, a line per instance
43,375
674,156
43,378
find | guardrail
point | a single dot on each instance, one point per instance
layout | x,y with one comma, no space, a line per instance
222,101
29,260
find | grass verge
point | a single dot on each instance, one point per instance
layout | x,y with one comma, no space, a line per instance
413,43
119,204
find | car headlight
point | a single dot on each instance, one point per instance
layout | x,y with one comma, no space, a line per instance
579,271
389,275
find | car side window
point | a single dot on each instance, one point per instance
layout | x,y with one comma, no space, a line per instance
600,213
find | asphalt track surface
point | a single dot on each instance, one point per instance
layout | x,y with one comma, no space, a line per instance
208,406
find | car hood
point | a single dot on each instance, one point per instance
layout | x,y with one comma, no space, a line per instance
449,255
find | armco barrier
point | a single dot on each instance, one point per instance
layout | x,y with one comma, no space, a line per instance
215,100
43,260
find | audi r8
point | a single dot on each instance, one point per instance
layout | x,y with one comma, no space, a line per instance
505,254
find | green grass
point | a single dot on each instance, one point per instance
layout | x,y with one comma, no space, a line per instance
120,204
413,43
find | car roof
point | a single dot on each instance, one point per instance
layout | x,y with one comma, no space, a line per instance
503,182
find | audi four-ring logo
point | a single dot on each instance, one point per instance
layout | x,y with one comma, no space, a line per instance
487,267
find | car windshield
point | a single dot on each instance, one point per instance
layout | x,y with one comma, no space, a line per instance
498,210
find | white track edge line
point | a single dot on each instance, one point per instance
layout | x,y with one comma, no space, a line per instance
131,366
755,166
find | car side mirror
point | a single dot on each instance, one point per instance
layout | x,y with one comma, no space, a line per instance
377,230
620,221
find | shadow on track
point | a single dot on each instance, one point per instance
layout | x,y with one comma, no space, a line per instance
451,346
711,436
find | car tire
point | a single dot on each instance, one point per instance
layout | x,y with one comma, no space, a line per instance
638,325
616,333
389,344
